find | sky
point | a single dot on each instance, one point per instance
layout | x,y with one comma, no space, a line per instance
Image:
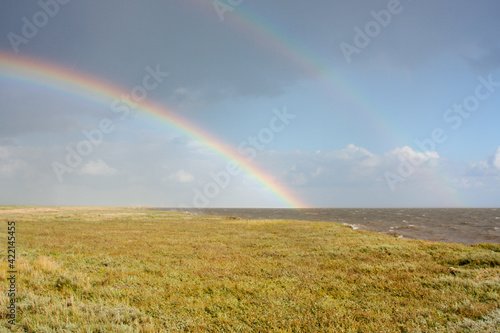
238,103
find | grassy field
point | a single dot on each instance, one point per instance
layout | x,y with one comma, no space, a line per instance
134,270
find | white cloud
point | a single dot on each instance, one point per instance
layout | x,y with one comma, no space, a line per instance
480,166
97,168
467,183
358,155
489,166
407,153
352,150
496,161
181,176
318,171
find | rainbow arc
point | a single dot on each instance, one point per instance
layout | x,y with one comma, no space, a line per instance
88,87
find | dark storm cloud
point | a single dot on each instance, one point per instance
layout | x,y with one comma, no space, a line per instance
116,40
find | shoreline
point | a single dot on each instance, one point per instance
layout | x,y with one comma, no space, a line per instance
461,232
466,226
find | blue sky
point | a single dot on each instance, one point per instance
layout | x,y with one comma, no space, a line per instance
396,103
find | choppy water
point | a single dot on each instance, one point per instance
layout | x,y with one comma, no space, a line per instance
461,225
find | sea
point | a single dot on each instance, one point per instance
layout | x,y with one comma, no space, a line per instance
458,225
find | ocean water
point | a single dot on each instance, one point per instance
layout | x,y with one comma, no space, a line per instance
460,225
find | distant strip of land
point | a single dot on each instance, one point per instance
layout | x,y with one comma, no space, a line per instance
101,269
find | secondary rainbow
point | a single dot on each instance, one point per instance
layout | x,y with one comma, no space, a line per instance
63,79
270,36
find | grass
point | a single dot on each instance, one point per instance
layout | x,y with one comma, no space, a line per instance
134,270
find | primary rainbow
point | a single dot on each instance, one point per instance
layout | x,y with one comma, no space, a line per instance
89,87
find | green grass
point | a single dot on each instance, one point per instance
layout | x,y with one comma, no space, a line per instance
134,270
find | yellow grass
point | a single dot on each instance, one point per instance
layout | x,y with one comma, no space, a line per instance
134,270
